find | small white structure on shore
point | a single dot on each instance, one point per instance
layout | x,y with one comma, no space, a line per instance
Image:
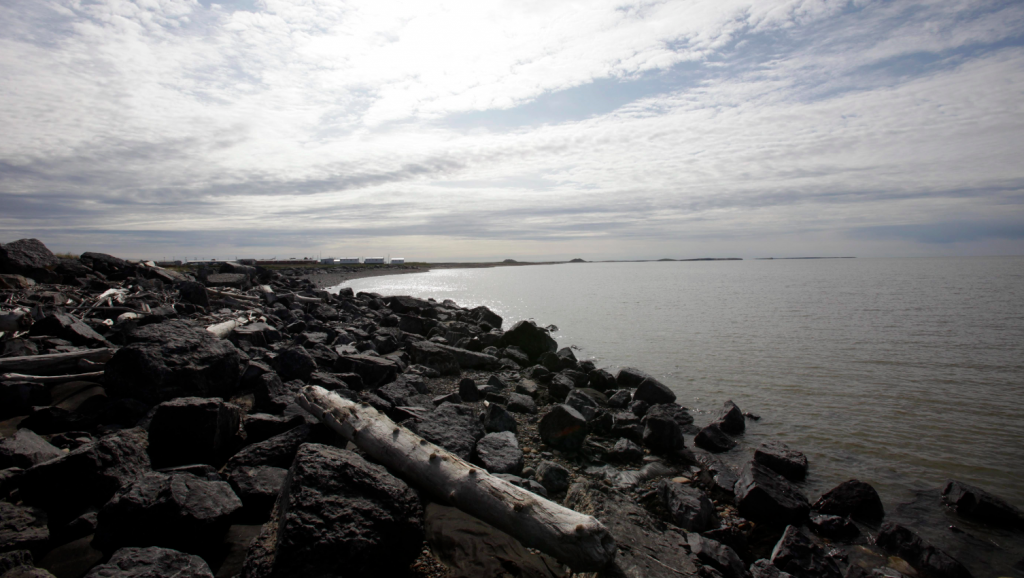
329,261
374,260
347,260
397,260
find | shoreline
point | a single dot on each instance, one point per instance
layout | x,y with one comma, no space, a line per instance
326,278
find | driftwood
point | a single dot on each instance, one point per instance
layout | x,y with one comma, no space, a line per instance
55,362
15,321
577,540
237,296
50,379
222,330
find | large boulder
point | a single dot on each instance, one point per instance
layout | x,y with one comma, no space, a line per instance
434,356
928,560
521,403
653,392
295,363
31,258
499,453
173,359
798,555
563,428
338,515
717,555
484,315
498,419
179,511
532,340
689,507
852,498
713,439
973,502
731,419
22,528
68,328
152,562
553,476
191,430
583,403
453,427
631,377
403,304
278,451
471,359
777,456
194,292
26,449
764,496
625,451
258,488
374,371
88,476
662,433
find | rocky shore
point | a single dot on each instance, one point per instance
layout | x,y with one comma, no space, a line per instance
154,424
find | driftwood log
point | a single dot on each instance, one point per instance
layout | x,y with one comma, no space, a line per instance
238,296
56,363
222,330
50,379
574,539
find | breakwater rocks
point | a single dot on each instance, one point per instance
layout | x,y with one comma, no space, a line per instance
151,428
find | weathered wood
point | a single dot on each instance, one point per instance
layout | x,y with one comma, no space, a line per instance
219,293
15,321
54,362
222,330
577,540
50,379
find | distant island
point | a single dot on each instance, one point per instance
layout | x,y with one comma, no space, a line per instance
791,258
577,260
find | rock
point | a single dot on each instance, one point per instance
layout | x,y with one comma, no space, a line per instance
560,386
563,428
661,432
10,478
717,555
764,496
374,371
925,558
403,304
731,419
652,391
236,280
484,315
579,379
152,562
26,449
277,451
498,419
295,363
103,263
625,451
338,515
263,426
799,556
499,453
194,293
582,403
258,488
471,359
833,527
777,456
190,430
853,498
468,390
31,258
13,559
22,528
688,506
639,407
537,372
99,470
519,403
448,398
179,511
626,425
515,354
601,380
173,359
620,399
70,329
434,356
764,569
713,439
975,503
398,392
554,477
532,340
453,427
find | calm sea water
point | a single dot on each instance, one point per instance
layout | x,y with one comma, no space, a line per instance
899,372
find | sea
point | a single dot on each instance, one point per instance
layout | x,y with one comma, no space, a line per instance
902,373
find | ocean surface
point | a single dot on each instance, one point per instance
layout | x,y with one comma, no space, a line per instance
899,372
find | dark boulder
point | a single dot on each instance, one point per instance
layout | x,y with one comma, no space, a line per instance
263,426
833,527
22,528
798,555
403,304
453,427
626,425
560,386
731,419
689,507
601,380
925,558
277,451
499,453
235,280
639,407
468,390
625,451
484,315
194,430
532,340
152,562
579,379
662,434
179,511
852,498
554,477
26,449
520,403
583,403
630,377
620,399
295,363
563,428
526,484
258,488
653,392
975,503
764,496
105,264
31,258
173,359
70,329
338,515
374,371
777,456
713,439
434,356
498,419
717,555
194,293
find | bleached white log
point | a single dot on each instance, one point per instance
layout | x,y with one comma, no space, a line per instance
238,296
54,362
15,321
50,379
577,540
222,330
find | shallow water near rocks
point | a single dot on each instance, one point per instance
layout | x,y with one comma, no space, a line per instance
898,372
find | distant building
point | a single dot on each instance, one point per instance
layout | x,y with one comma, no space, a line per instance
397,260
374,260
329,261
347,260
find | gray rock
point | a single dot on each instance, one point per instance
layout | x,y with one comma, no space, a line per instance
764,496
31,258
689,507
625,451
498,419
925,558
70,329
601,380
662,434
26,449
560,386
453,427
152,562
194,293
713,439
620,399
731,419
449,398
797,554
582,403
777,456
639,407
258,488
499,453
764,569
653,391
529,338
435,356
263,426
563,428
374,371
526,484
852,498
277,451
295,363
554,477
468,390
22,528
833,527
717,555
193,430
975,503
717,476
520,403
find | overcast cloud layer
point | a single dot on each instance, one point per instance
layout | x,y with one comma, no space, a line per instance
487,130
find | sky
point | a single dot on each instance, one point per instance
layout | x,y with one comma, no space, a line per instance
473,131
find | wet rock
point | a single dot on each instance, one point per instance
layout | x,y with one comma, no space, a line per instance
258,488
453,427
277,451
925,558
374,371
563,428
626,425
515,354
99,470
717,555
532,340
295,363
173,359
537,372
498,419
662,434
652,391
852,498
193,430
625,451
152,562
579,379
731,419
434,356
639,407
765,569
520,403
975,503
338,515
468,390
833,527
620,399
560,386
69,329
22,528
405,305
601,380
554,477
630,377
499,453
764,496
582,403
448,398
179,511
26,449
713,439
31,258
194,293
798,555
777,456
688,506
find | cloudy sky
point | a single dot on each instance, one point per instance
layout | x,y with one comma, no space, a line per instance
486,130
